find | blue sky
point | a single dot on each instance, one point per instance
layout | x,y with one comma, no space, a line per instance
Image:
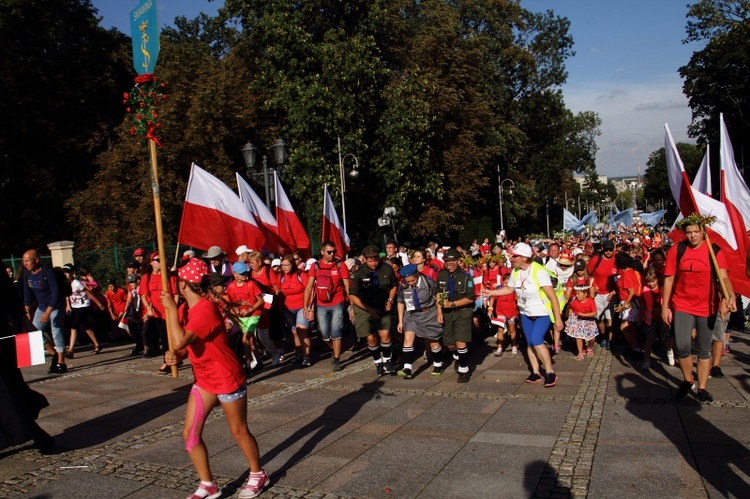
625,67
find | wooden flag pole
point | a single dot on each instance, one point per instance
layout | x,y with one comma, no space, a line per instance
724,291
160,237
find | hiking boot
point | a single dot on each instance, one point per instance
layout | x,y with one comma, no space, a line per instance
534,378
211,491
704,396
684,389
255,485
405,373
550,380
716,372
335,365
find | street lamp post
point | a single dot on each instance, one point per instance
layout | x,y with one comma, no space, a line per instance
250,153
548,219
354,174
500,184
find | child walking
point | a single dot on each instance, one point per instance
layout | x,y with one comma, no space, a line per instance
581,323
506,315
651,324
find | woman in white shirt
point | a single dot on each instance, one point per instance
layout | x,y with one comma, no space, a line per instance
537,307
81,314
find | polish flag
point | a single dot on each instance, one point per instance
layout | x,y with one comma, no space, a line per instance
736,197
702,180
690,200
29,349
291,232
263,217
123,324
332,230
213,215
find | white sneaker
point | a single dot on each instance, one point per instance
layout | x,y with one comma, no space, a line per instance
499,351
514,351
670,357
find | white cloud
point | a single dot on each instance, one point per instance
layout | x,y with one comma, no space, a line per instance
633,117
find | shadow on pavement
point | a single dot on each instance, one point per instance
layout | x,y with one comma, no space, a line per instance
720,460
540,480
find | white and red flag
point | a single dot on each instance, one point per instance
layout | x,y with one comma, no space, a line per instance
736,198
690,200
263,218
702,180
213,215
332,229
292,233
29,349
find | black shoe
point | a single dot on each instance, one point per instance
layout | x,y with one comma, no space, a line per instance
388,367
704,396
716,372
306,362
634,354
335,365
405,373
550,380
463,378
164,370
136,352
436,371
534,378
295,360
379,368
683,390
58,368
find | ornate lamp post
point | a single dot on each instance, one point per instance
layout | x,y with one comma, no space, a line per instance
501,183
250,153
354,174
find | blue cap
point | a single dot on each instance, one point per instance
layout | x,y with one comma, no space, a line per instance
408,270
239,268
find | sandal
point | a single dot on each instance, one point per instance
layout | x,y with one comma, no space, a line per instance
580,356
590,353
96,350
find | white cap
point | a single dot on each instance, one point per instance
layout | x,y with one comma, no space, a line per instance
577,251
521,249
309,263
276,262
241,250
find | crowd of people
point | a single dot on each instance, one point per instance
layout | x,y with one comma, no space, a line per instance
232,319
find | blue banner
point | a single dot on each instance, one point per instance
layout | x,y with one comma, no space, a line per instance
624,217
569,220
144,30
652,218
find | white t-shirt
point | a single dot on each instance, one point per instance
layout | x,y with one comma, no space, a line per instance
78,297
530,303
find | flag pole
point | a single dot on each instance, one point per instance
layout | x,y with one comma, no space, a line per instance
160,236
176,254
724,291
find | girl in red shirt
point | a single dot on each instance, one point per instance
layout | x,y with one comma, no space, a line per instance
629,289
202,337
293,284
652,325
581,323
506,315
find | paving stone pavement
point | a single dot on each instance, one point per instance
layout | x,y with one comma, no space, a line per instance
607,429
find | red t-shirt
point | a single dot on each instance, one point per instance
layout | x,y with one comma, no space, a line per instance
267,280
151,288
580,307
339,272
693,291
628,279
118,299
429,272
506,305
215,365
652,299
293,289
604,275
493,277
248,292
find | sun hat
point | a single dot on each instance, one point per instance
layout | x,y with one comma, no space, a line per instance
193,271
214,252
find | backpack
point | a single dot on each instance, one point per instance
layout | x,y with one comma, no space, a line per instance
324,286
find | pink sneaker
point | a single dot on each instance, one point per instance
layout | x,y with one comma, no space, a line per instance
211,491
255,485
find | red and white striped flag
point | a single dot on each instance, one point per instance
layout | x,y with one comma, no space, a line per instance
736,198
263,217
291,232
702,180
213,215
332,230
124,325
29,349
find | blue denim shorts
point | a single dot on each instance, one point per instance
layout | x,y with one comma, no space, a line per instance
331,321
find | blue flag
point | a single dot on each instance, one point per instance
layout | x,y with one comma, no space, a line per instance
652,218
624,217
569,220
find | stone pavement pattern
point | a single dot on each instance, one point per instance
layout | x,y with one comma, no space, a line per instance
606,430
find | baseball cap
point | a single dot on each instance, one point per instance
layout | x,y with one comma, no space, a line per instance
370,251
241,250
521,249
608,245
451,254
240,268
580,265
139,252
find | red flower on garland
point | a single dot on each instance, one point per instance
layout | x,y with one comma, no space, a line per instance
145,97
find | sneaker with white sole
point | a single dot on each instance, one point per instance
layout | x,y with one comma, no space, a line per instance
685,388
670,357
255,485
514,351
499,351
206,491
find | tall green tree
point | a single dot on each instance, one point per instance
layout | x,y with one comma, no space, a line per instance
60,74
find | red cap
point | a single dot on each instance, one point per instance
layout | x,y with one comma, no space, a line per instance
139,252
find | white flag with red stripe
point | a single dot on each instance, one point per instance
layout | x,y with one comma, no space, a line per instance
292,233
213,215
29,349
691,200
702,180
263,218
736,198
332,230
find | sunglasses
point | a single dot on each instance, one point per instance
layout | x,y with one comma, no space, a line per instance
329,252
154,259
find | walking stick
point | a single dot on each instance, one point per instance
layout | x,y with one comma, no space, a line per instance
723,285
